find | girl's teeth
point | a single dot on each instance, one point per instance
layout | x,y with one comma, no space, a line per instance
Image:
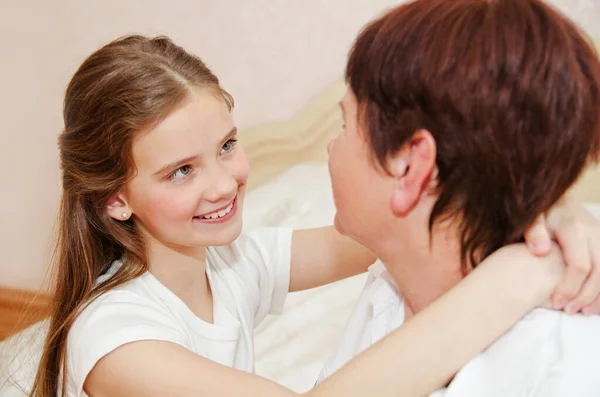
219,214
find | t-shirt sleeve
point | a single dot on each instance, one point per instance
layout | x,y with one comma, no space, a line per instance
111,321
268,253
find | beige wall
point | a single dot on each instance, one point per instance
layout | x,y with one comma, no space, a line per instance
272,55
32,79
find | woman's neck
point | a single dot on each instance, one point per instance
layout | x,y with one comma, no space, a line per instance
423,271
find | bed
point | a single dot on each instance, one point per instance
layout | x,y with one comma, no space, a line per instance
289,187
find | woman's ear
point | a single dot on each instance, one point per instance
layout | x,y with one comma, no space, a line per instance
412,167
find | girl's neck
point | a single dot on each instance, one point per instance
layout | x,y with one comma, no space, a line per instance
183,271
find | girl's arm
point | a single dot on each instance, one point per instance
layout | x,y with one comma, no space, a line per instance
414,360
321,256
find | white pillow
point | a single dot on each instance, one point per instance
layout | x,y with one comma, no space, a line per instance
298,198
594,208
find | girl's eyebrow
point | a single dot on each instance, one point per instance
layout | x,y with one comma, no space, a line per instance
176,164
230,135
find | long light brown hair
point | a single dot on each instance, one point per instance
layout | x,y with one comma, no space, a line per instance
121,89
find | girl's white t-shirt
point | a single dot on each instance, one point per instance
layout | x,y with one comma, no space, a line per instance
249,279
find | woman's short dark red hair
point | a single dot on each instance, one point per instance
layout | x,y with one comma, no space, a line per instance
510,90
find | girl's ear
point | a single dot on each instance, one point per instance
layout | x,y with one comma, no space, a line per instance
118,208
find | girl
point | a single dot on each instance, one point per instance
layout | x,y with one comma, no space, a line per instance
158,294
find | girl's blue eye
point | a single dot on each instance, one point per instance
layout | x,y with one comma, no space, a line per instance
228,146
181,173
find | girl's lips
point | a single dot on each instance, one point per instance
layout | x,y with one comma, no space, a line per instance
222,219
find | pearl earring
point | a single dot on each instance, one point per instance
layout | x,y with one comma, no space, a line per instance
124,215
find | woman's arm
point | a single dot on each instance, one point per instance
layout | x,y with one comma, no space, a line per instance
414,360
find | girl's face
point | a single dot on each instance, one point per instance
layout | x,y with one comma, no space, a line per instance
191,177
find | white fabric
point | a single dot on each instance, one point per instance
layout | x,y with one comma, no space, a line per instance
548,353
249,279
379,310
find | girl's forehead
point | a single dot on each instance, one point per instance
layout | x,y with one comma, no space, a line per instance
196,127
